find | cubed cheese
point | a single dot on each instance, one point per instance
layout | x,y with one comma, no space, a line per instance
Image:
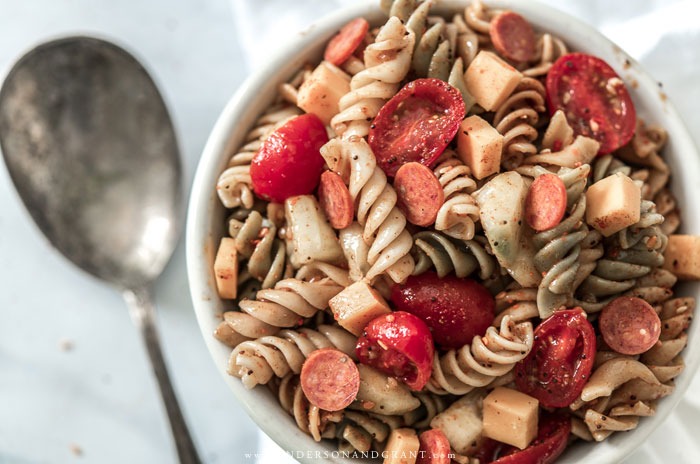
682,256
320,93
226,268
480,146
613,204
491,80
461,422
356,305
382,394
510,417
402,447
309,235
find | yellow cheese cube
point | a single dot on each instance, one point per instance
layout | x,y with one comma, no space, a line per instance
402,447
356,306
491,80
320,93
461,422
682,256
479,145
226,268
510,417
613,204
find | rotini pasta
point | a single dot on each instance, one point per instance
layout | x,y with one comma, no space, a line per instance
424,266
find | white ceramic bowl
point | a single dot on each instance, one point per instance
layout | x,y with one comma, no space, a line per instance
206,217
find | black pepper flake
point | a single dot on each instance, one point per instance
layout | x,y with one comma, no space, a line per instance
569,64
433,299
372,126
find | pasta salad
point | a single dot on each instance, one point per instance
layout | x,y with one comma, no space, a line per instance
453,239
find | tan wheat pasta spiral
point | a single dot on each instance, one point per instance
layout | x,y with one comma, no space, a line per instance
458,214
458,372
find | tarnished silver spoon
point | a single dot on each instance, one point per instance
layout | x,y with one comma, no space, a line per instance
92,152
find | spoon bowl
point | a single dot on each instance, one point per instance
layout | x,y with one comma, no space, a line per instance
91,149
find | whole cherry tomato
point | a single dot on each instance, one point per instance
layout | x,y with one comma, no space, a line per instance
289,162
455,309
561,359
594,99
398,344
416,124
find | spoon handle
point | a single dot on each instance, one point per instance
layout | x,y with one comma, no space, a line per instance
143,316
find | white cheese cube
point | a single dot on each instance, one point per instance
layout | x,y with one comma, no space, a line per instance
491,80
480,146
402,447
461,422
320,93
510,417
682,256
309,236
613,204
226,268
356,306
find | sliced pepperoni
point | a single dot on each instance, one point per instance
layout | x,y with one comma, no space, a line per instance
545,203
335,200
434,448
330,379
629,325
419,192
594,99
512,36
346,41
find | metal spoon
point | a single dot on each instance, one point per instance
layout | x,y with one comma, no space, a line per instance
91,150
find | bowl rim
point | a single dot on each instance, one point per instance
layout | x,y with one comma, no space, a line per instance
200,232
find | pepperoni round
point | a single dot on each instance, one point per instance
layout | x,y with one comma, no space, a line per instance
594,99
335,200
629,325
545,203
434,448
513,36
346,41
419,192
416,124
330,379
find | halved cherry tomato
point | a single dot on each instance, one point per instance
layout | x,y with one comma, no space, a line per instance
629,325
545,203
552,436
398,344
289,162
416,124
560,361
344,43
594,99
455,309
434,448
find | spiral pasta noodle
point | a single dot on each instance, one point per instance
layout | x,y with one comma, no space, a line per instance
362,432
518,304
384,225
309,418
547,49
234,186
256,361
559,249
458,372
435,250
287,304
458,214
387,62
516,118
431,406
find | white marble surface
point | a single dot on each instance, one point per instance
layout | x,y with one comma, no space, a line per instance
99,397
